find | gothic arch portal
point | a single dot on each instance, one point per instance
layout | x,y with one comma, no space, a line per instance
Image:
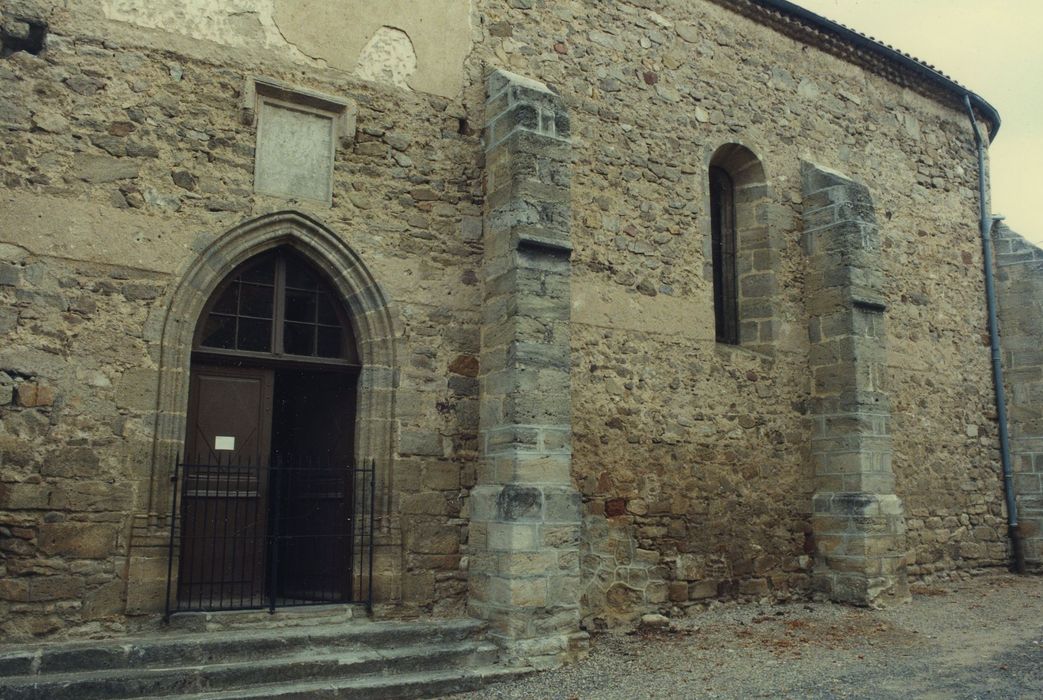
362,297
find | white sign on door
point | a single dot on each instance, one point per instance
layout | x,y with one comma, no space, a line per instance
224,442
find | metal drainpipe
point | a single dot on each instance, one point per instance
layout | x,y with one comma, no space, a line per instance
1013,529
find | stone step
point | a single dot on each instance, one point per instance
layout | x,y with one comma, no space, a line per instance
430,684
309,666
167,650
303,616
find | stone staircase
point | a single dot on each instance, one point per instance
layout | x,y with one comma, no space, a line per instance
254,655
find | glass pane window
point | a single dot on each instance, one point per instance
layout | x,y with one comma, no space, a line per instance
240,318
219,332
300,306
327,312
256,301
279,305
329,342
299,274
254,335
298,338
723,246
261,273
228,302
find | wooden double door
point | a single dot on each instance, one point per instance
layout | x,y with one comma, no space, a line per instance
267,487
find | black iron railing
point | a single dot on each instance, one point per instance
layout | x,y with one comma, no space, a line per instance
244,535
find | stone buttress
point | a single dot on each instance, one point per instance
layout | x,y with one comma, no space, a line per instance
525,513
857,519
1019,291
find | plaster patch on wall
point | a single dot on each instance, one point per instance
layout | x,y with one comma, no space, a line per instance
353,35
388,58
420,45
238,23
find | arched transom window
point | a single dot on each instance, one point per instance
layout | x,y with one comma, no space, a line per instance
277,305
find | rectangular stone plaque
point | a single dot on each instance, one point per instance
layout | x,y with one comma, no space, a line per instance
294,152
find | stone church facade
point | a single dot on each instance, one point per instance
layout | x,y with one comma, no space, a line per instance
639,305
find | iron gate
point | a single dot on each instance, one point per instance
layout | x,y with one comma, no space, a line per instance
245,535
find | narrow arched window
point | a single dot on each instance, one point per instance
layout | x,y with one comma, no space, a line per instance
723,251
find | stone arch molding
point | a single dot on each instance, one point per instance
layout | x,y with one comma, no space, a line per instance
758,254
371,313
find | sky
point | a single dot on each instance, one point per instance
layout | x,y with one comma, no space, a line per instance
993,47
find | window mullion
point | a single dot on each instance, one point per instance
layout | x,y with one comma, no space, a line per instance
238,310
279,308
315,323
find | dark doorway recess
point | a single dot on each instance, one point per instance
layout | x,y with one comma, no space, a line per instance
271,497
312,515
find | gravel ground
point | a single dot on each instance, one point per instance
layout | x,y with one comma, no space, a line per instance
977,638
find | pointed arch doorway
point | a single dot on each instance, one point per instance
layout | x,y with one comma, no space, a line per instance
268,481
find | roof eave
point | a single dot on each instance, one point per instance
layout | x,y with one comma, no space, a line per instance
870,45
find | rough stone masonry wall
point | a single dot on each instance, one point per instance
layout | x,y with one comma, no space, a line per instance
1019,292
693,457
122,157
